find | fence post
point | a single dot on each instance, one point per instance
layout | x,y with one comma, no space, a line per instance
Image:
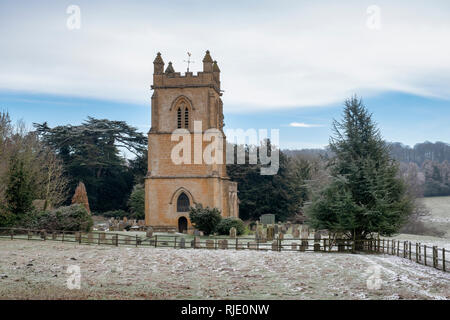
136,241
425,254
434,257
420,251
12,234
383,245
417,253
79,239
393,248
63,237
409,250
443,259
175,245
378,245
156,241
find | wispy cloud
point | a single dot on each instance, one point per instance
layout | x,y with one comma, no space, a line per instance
272,54
304,125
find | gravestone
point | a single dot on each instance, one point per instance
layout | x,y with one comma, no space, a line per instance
210,244
54,235
294,246
125,219
101,237
317,238
43,234
295,233
77,236
275,245
252,245
276,229
281,236
30,235
233,232
304,245
223,244
182,243
270,233
149,232
121,226
197,242
196,232
267,219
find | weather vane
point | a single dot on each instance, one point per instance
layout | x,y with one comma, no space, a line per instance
188,60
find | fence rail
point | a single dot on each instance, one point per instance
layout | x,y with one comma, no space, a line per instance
427,255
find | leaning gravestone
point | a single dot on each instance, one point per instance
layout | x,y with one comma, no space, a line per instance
233,232
149,232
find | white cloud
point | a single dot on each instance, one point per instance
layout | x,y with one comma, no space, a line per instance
304,125
272,55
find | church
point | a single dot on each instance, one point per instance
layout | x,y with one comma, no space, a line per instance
180,102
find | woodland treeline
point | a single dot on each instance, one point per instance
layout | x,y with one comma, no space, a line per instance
426,165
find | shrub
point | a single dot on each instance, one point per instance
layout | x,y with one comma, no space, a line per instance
205,219
226,224
71,218
136,202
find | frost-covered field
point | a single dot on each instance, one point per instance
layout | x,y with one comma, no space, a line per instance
37,270
439,213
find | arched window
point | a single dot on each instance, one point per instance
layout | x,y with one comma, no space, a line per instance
183,203
179,118
186,118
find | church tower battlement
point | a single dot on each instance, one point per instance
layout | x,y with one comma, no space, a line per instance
185,102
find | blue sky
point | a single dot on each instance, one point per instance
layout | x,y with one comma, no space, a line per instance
287,65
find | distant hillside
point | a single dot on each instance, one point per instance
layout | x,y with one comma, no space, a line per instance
427,151
427,164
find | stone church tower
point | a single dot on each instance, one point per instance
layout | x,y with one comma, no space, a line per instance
182,102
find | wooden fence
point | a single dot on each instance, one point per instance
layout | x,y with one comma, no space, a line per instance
427,255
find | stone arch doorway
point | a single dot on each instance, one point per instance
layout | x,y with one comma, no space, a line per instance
182,224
